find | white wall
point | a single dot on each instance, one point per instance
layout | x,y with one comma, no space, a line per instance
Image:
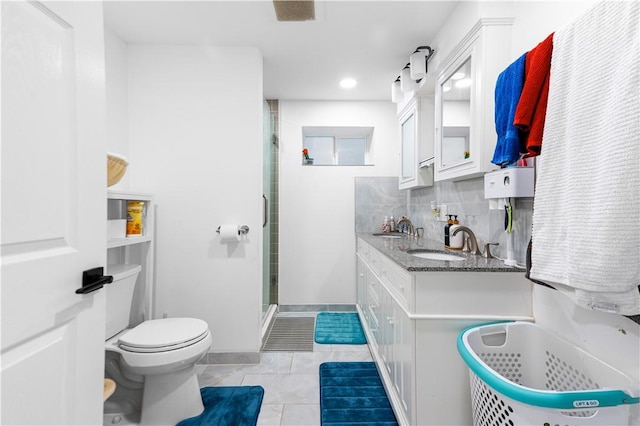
533,21
612,338
196,144
117,106
317,240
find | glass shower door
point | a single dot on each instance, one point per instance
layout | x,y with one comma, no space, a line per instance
269,299
266,185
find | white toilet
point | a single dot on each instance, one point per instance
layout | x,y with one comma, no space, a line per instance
158,356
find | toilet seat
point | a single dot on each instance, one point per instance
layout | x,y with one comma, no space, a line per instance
163,335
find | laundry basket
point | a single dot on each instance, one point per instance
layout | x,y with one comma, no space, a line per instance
521,374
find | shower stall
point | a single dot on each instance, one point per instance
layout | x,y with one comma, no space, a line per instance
270,211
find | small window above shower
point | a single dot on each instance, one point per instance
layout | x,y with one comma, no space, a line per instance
336,146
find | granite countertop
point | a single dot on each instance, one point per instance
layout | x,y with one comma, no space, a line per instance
396,250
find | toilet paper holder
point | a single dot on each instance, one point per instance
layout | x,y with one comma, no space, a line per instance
243,230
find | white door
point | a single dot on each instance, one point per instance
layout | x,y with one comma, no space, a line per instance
53,212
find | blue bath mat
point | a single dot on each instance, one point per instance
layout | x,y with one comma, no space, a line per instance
352,393
339,328
228,406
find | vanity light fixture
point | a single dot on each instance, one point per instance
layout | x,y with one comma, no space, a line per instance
458,75
412,73
396,91
407,84
348,83
418,62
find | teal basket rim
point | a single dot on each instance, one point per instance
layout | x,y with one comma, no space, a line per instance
540,398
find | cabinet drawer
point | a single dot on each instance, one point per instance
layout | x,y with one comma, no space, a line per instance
397,280
364,250
370,256
374,324
375,261
373,291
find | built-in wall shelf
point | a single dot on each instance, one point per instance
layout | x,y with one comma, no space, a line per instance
137,250
130,196
121,242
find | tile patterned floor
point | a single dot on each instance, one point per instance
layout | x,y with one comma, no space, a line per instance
289,379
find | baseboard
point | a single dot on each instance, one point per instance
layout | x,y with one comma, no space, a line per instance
318,308
231,358
268,320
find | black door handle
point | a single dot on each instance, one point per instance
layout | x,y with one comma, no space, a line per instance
265,210
93,279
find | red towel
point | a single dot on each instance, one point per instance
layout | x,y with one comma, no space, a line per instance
532,107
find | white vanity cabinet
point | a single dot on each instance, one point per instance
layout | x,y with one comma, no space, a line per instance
465,135
416,142
134,250
389,335
412,321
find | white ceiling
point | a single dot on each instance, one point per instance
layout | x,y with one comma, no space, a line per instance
367,40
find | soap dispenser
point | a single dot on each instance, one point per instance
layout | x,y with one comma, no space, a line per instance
455,241
447,228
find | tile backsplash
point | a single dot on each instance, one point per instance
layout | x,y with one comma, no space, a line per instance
377,197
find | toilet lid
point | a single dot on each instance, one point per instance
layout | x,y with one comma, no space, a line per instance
164,334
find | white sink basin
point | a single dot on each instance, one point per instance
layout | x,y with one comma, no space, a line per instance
432,255
385,235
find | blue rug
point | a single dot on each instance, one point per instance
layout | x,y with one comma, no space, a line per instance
339,328
352,393
228,406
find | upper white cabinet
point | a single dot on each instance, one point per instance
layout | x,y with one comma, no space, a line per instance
416,136
465,135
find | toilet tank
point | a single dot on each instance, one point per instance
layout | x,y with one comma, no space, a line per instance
119,296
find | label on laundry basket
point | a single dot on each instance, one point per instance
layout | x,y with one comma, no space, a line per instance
590,403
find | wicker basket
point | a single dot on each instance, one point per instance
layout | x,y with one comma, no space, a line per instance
116,168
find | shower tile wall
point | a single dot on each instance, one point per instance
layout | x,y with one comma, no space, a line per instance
273,202
377,197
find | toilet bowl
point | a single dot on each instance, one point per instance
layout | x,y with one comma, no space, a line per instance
163,353
158,355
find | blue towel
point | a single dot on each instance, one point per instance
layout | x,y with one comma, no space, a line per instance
508,90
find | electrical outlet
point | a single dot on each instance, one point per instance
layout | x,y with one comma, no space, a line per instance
442,217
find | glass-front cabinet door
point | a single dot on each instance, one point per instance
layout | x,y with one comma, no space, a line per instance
465,134
456,117
408,132
416,143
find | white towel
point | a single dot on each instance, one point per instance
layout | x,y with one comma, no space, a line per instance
586,219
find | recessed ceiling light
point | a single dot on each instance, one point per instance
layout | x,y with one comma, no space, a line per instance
457,76
348,83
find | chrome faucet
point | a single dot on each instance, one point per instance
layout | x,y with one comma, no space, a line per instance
487,252
409,226
472,242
